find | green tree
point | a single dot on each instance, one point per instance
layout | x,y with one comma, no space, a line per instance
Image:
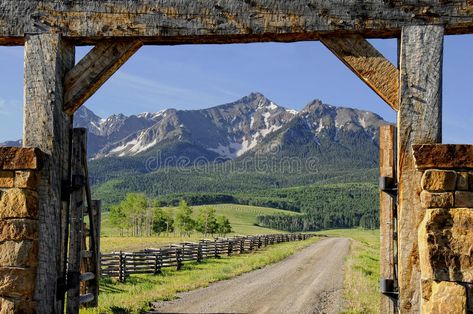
184,221
162,221
134,207
223,226
118,218
206,221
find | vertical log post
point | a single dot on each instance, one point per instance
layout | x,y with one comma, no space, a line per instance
78,201
47,59
122,267
419,122
386,215
94,283
199,252
178,258
157,264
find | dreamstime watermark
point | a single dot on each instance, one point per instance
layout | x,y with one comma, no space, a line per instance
269,161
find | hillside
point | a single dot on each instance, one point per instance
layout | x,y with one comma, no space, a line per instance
252,134
329,205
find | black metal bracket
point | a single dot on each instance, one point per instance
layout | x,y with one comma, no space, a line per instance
388,185
77,182
388,287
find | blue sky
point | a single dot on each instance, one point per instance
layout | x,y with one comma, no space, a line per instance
192,77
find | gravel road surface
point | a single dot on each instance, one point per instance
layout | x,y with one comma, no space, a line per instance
309,281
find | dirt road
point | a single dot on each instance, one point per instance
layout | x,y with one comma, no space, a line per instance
310,281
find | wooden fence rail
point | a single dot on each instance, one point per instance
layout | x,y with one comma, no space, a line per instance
150,261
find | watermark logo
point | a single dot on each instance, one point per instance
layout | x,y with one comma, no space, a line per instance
271,161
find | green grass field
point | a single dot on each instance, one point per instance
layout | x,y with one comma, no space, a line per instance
242,219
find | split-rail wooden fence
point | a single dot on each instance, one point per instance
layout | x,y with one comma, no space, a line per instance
150,261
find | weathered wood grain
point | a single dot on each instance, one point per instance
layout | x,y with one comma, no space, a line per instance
78,201
94,283
206,21
47,127
419,122
368,64
386,216
95,69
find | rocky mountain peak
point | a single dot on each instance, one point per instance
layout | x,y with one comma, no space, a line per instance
226,131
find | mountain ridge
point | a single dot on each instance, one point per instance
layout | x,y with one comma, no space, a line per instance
227,131
245,131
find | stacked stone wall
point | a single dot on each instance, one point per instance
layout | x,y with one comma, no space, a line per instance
18,228
445,235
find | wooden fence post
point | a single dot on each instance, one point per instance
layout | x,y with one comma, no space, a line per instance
199,252
157,266
94,283
78,197
178,259
121,267
230,247
386,215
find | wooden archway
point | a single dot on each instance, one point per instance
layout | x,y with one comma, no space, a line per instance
55,87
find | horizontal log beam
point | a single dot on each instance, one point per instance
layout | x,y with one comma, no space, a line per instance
94,70
368,64
206,21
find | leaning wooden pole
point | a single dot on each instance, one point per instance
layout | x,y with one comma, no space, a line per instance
419,122
47,58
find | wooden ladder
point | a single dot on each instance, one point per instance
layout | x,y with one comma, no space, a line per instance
83,256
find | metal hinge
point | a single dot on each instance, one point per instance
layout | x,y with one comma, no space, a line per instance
388,185
77,182
388,287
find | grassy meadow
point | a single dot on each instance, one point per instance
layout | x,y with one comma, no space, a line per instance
242,219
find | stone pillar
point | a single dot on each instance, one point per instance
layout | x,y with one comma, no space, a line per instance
18,228
445,235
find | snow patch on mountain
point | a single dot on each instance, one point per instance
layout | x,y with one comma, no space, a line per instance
230,130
